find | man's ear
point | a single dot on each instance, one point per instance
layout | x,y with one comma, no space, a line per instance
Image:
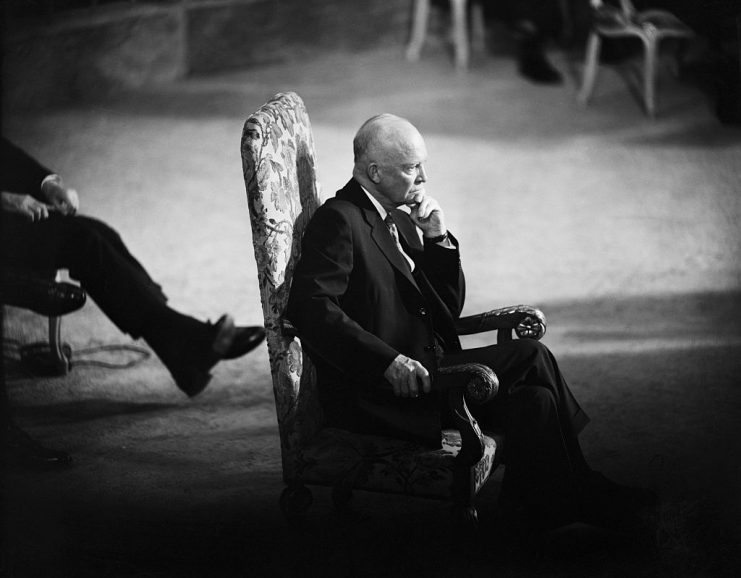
372,172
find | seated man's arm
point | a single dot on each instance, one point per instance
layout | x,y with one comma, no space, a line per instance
441,260
442,265
319,283
24,205
29,188
20,172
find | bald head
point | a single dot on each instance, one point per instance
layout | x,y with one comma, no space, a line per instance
383,136
389,158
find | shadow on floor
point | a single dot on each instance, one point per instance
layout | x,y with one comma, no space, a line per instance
192,490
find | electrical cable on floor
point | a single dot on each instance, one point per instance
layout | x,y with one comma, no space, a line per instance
14,350
75,360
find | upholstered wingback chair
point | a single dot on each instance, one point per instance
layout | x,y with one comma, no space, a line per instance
279,165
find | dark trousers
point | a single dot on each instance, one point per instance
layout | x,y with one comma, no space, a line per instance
540,419
95,256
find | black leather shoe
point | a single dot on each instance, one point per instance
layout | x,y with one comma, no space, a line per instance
536,67
225,341
25,452
231,341
44,296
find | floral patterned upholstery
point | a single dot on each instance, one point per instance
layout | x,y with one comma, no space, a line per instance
282,192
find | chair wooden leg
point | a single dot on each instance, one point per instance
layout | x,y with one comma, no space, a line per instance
57,351
420,19
460,33
590,68
478,27
649,75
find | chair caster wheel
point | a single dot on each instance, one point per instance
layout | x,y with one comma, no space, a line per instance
295,501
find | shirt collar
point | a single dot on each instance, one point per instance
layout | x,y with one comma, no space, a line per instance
381,211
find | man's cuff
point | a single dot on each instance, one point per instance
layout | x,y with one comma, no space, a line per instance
440,241
50,178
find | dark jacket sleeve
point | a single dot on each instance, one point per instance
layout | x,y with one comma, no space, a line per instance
442,266
314,306
19,172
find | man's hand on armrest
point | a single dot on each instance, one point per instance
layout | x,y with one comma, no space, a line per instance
405,374
25,205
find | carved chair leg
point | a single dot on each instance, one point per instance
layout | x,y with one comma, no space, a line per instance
591,64
50,358
651,48
58,351
295,501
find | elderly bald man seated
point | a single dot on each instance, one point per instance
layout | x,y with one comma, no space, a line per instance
374,298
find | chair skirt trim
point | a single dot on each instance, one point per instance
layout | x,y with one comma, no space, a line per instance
348,460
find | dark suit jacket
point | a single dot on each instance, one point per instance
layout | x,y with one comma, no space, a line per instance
19,172
357,305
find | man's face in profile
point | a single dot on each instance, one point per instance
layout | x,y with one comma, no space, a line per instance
402,174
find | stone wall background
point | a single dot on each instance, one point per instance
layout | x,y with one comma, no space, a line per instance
87,53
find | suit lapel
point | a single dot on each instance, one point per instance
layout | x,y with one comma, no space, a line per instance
354,193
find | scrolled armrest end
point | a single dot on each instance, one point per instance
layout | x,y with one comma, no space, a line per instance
482,384
531,327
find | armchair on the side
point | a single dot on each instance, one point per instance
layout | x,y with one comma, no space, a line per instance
279,166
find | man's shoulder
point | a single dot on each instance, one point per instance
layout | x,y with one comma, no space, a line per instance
339,207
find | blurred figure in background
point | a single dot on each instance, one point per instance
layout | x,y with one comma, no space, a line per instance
533,23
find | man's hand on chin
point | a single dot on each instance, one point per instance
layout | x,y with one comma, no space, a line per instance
428,216
405,375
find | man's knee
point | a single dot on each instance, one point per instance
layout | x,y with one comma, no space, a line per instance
90,236
95,229
532,349
532,398
87,245
535,396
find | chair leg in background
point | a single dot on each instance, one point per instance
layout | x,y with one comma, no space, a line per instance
60,353
50,358
478,27
590,68
649,75
420,18
460,33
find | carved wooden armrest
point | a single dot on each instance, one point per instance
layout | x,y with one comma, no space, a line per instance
527,322
481,385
